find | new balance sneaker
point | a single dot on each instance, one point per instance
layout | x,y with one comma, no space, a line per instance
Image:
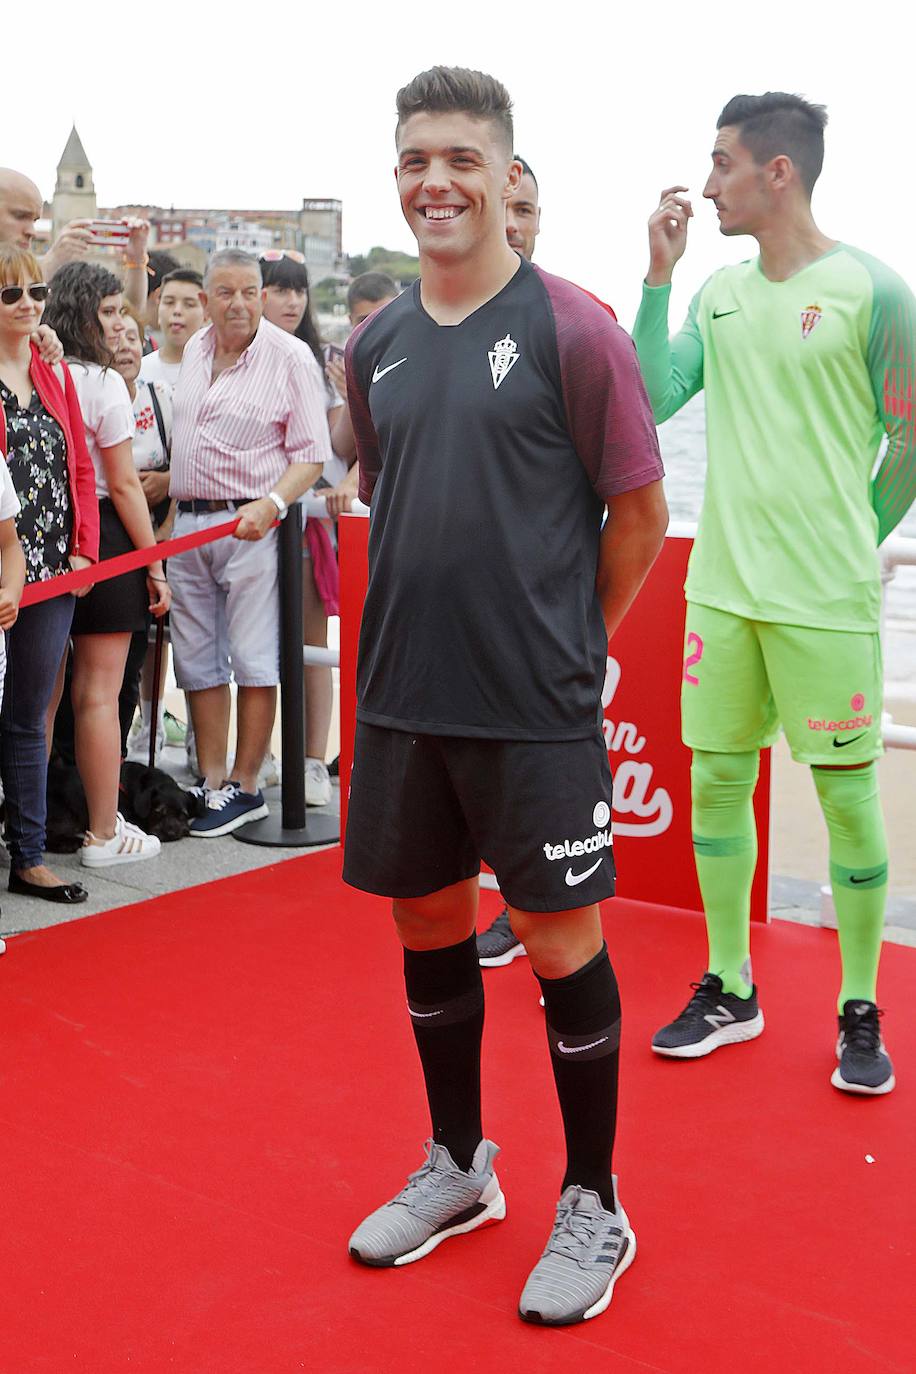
589,1248
227,808
127,845
710,1019
317,783
498,945
865,1065
439,1200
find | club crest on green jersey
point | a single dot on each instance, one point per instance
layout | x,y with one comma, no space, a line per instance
811,317
503,356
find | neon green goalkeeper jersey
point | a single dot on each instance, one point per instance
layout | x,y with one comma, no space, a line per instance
803,380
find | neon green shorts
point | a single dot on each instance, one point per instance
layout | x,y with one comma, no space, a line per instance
743,678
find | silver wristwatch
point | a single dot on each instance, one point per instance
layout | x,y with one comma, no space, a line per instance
280,504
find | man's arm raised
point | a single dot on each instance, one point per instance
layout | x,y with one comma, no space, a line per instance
672,369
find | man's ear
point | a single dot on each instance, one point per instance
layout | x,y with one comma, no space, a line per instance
780,172
514,174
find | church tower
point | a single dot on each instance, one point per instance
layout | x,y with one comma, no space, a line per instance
74,194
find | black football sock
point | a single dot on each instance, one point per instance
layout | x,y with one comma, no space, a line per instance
445,1001
583,1029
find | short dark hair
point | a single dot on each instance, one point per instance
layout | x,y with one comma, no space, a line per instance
447,90
527,172
778,123
371,286
77,291
186,274
160,264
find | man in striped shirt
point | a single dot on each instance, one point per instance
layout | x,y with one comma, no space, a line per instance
250,436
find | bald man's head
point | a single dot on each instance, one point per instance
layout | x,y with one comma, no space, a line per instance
20,207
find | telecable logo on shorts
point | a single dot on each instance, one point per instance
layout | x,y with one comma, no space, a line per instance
854,723
575,849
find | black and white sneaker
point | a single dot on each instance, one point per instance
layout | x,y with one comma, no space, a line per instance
498,945
710,1019
865,1065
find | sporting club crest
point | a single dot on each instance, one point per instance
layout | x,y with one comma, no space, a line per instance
811,317
503,356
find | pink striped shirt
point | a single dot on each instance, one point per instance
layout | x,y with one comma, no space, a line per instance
233,440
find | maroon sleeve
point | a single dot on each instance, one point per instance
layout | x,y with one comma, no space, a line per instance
610,419
367,454
86,532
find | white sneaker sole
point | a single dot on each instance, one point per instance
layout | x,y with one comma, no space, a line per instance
501,960
88,860
735,1034
257,814
862,1088
317,798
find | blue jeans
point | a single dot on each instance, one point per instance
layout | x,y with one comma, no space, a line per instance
34,649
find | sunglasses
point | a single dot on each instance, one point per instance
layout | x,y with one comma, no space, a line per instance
278,254
9,295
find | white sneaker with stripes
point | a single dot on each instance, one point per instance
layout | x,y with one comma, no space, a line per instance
127,845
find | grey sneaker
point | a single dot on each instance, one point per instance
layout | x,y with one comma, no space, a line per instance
498,945
439,1200
588,1250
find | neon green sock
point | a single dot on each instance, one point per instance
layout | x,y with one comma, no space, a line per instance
725,849
858,872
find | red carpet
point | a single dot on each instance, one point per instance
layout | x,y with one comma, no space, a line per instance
203,1094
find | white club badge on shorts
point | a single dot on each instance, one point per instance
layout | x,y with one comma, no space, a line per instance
601,815
503,356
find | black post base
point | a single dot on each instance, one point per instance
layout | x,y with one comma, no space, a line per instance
272,833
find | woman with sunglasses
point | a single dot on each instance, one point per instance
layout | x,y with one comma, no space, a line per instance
85,310
41,429
287,305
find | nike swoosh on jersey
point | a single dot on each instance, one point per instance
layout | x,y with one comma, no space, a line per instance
573,878
720,314
842,743
577,1049
380,372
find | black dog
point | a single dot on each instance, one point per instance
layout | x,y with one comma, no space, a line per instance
147,797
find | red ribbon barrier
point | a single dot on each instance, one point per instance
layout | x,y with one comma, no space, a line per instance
124,563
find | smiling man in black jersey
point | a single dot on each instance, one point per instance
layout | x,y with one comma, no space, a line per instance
498,412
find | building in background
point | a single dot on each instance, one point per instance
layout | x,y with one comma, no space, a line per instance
74,191
316,230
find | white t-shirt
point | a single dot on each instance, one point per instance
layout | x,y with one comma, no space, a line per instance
154,368
9,509
108,416
149,451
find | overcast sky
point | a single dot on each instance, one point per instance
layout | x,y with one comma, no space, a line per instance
237,106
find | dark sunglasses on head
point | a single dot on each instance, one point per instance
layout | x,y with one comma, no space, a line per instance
9,295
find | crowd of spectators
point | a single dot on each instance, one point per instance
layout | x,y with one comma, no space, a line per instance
140,400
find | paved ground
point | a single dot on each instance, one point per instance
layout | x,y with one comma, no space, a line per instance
180,864
799,853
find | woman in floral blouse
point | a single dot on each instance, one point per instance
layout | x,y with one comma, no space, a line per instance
43,441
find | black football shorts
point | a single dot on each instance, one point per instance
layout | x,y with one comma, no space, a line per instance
425,809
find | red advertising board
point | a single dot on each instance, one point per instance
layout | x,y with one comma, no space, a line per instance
652,835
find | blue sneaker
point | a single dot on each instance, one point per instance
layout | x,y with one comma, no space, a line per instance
227,808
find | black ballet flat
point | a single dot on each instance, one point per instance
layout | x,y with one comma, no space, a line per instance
69,893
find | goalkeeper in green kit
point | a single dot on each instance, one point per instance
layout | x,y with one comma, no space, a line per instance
807,354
